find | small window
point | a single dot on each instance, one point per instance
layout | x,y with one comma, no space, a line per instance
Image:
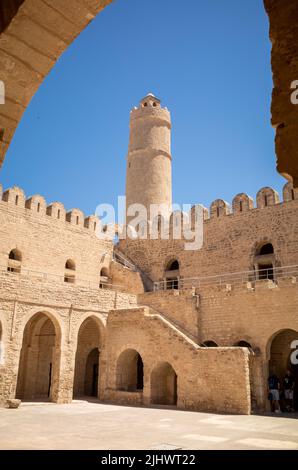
217,211
293,194
17,200
94,226
240,206
265,271
38,206
14,261
266,200
16,255
154,104
70,264
58,214
210,344
173,266
243,344
104,272
77,220
104,278
145,104
266,249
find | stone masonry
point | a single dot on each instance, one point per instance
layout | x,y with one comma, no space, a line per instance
146,322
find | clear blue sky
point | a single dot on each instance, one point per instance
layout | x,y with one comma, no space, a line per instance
209,62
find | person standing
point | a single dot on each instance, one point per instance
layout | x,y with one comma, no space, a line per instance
288,386
273,392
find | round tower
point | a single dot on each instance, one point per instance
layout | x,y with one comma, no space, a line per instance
149,172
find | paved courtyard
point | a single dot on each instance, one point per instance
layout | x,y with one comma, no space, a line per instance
91,425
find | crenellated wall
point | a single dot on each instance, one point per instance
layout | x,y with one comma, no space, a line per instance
48,235
230,237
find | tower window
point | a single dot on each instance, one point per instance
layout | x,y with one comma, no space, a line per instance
154,104
145,104
94,226
58,214
38,206
17,200
266,200
241,206
293,194
217,211
77,220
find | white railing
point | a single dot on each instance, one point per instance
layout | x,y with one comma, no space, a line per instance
119,258
237,278
96,283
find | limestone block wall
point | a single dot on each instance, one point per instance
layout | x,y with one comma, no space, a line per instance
129,280
180,307
252,315
48,236
67,305
215,379
230,239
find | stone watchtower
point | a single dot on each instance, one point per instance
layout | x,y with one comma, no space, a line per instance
149,168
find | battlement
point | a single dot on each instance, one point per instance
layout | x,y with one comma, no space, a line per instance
16,199
241,204
159,114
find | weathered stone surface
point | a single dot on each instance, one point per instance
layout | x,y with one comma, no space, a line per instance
13,403
75,321
33,35
283,17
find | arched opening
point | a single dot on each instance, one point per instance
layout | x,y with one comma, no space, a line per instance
86,378
39,359
264,261
172,275
266,249
14,261
70,268
130,371
243,344
104,278
210,344
164,385
283,357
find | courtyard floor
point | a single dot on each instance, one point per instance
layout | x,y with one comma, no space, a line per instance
91,425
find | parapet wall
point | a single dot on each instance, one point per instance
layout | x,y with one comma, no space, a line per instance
51,240
231,238
15,197
241,204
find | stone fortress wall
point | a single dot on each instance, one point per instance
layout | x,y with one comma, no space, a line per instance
145,321
47,323
231,238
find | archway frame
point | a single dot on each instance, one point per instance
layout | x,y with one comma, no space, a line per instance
28,323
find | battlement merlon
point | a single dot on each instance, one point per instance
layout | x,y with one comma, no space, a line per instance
16,199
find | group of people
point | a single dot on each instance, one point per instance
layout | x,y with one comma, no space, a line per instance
281,394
